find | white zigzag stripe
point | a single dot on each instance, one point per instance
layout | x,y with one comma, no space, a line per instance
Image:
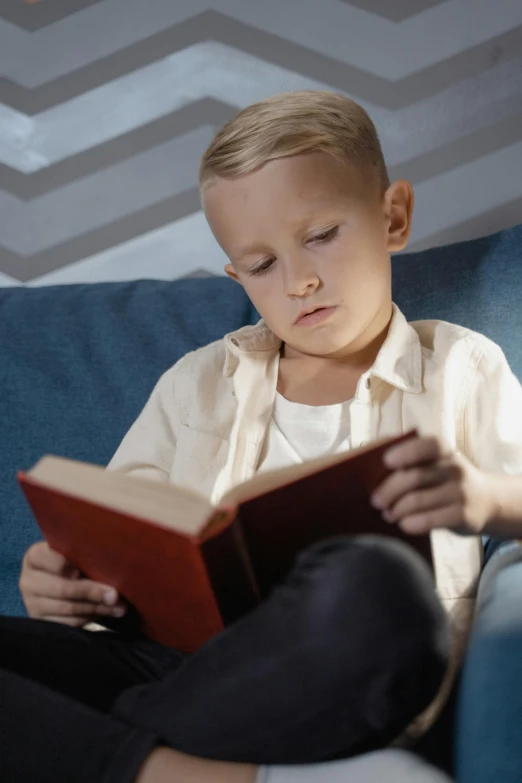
187,244
99,199
328,27
29,144
8,282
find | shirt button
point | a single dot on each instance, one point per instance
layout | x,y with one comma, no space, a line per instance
234,341
363,443
368,383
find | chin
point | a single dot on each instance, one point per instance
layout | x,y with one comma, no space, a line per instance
322,345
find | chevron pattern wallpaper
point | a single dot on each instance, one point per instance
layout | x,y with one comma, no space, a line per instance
107,105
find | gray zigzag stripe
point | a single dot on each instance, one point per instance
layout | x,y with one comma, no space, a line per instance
397,10
29,186
34,17
107,196
464,150
482,225
24,268
211,112
211,25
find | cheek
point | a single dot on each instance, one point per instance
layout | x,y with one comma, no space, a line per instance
260,291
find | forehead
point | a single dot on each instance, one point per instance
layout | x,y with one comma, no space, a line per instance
283,189
311,179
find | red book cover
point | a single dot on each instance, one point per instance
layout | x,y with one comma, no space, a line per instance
332,502
184,588
159,571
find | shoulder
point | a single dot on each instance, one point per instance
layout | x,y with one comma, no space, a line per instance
195,391
203,363
444,340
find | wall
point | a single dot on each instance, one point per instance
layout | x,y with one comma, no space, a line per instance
106,106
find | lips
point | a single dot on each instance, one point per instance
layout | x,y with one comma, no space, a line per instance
316,316
304,313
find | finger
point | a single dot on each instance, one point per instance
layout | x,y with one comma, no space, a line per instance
401,482
42,584
41,557
72,622
412,452
52,607
427,499
449,517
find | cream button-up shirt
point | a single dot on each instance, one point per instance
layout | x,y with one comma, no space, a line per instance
204,423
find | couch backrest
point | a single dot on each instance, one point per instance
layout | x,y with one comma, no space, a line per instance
78,362
477,284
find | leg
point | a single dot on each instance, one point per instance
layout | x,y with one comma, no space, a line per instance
93,668
308,676
47,737
337,661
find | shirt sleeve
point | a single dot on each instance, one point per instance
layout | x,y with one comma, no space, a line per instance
147,450
493,415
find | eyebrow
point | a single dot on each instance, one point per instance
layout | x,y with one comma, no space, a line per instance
256,248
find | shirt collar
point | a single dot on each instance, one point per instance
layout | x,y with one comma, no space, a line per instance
399,361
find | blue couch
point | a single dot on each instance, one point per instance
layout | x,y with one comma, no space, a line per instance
78,362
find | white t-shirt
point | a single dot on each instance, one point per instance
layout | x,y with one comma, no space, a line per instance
299,432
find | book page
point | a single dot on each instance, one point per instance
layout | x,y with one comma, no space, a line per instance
153,501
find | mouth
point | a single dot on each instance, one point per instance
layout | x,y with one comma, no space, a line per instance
315,316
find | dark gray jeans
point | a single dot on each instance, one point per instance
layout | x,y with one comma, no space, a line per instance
336,662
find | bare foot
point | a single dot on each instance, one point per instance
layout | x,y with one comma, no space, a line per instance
164,765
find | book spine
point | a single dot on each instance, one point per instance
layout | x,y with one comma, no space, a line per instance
229,568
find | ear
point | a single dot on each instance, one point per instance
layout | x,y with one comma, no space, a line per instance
399,201
230,271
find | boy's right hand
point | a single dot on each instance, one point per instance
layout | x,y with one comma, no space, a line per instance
53,589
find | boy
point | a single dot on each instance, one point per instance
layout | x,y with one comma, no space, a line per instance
351,651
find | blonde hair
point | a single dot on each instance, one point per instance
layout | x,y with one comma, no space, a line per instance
292,123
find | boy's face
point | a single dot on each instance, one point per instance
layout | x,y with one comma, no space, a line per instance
304,232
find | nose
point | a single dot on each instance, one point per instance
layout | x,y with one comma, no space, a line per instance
299,277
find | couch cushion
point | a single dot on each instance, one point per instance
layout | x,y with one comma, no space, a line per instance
78,362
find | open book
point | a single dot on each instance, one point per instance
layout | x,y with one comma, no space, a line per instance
186,567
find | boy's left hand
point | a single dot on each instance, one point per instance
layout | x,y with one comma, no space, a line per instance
429,489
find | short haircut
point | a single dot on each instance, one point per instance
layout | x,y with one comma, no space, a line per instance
292,123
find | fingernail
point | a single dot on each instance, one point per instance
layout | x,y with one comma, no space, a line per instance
110,597
376,501
118,611
387,516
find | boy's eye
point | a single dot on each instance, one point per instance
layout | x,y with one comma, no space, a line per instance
324,236
262,268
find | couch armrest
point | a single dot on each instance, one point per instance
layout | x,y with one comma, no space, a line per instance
490,701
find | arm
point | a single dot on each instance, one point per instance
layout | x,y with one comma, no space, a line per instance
475,492
493,440
148,448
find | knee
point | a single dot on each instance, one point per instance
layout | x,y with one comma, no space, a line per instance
375,590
